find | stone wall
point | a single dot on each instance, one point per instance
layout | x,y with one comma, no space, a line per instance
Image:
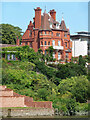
27,112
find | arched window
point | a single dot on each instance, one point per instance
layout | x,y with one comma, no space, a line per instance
41,42
45,42
49,43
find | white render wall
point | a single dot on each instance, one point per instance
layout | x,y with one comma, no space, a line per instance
79,48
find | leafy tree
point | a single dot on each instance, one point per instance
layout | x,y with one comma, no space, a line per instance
77,86
80,89
81,61
70,69
9,33
43,93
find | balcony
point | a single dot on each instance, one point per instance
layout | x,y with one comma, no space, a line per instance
58,47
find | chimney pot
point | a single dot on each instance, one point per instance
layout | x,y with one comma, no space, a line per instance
53,14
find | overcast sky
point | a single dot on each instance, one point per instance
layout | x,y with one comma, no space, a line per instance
20,13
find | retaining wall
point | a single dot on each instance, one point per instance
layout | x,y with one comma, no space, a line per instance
28,112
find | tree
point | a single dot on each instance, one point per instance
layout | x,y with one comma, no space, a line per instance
77,86
50,50
81,61
9,33
43,93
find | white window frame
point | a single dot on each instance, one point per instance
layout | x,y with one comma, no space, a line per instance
59,43
8,56
53,55
53,43
59,55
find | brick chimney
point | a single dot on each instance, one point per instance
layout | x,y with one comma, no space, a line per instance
30,25
53,14
38,17
17,41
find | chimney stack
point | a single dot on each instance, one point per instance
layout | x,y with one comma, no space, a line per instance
53,14
17,41
38,17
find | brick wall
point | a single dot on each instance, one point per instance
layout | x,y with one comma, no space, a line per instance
28,100
41,104
2,87
12,101
6,93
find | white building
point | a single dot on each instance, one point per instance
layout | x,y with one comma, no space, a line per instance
80,44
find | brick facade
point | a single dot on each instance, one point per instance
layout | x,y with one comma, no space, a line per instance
8,98
45,31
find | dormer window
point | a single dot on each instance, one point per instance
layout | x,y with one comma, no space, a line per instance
57,26
50,25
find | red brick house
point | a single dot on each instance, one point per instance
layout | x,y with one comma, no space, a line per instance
46,31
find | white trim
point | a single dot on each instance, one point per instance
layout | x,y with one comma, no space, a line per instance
45,45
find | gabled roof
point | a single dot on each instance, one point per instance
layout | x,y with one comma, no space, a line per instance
46,20
27,32
62,25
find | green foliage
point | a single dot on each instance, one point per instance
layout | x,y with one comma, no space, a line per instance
77,86
9,33
48,71
24,53
71,106
81,61
82,107
65,85
43,93
70,69
49,56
